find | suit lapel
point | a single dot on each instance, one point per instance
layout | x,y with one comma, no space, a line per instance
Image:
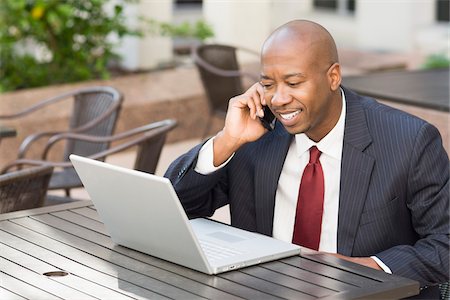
356,170
267,174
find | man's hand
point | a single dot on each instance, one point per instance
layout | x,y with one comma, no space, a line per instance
241,123
365,261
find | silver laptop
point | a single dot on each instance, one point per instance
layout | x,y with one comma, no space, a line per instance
142,211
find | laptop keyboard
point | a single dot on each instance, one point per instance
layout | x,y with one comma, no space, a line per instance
216,252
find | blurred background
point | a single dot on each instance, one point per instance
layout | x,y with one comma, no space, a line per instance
56,41
417,29
143,48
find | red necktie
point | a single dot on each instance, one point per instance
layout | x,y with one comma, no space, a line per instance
308,218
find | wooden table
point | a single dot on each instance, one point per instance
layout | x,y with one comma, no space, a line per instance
70,238
423,88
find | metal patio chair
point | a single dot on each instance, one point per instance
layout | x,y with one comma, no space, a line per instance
95,111
148,140
221,75
24,189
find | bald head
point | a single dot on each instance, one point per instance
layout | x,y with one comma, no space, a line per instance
301,77
310,39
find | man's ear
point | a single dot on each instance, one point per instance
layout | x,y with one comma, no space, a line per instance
334,76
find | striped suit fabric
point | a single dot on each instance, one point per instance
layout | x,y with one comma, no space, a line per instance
394,192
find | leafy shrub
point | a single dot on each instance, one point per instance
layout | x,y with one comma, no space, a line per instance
436,61
199,30
54,41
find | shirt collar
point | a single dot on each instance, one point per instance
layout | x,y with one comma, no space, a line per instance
331,144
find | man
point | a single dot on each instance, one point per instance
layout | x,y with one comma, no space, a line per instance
384,173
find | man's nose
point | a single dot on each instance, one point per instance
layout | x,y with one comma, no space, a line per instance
280,97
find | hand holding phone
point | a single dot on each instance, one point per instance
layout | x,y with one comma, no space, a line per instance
268,121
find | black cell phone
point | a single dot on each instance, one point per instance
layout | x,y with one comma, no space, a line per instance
269,119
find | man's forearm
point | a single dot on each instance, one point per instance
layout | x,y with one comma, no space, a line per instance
365,261
224,147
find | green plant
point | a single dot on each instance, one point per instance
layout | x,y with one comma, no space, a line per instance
199,30
435,61
54,41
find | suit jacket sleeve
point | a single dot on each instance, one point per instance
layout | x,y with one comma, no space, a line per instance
428,186
199,194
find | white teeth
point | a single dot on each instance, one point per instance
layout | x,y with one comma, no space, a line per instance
290,115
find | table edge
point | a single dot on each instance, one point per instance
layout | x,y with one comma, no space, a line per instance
44,209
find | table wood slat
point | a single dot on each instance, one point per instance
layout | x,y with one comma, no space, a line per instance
44,210
93,257
378,284
281,279
87,212
328,284
304,275
18,289
81,220
7,294
303,287
265,286
347,277
53,289
71,237
91,246
74,267
101,239
72,280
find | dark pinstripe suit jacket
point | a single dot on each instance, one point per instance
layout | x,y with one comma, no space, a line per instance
394,195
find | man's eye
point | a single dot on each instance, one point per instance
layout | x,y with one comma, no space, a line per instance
266,85
293,84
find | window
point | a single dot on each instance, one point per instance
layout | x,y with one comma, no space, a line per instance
351,5
340,6
442,10
327,4
187,2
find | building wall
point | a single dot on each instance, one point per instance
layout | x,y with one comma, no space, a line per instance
401,26
150,51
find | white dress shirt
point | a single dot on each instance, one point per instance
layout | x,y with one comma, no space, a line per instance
296,160
289,182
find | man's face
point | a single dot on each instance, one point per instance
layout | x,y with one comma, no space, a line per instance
299,90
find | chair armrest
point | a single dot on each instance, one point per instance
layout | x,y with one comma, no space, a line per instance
35,107
222,72
47,102
29,140
26,144
102,139
18,163
147,131
12,177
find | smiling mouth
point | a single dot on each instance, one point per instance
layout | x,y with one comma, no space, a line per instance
290,116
